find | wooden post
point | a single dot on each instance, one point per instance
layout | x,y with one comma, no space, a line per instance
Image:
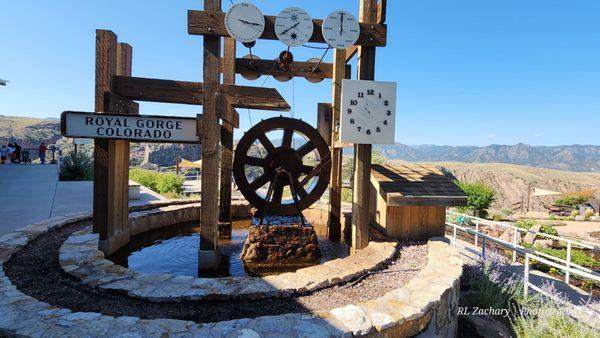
111,157
334,225
362,152
324,124
210,134
227,143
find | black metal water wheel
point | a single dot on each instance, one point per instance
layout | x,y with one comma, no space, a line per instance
282,144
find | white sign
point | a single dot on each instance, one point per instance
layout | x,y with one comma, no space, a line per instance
129,127
82,141
368,112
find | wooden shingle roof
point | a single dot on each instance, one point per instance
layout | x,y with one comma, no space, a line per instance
415,184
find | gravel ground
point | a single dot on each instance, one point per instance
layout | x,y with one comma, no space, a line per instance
36,272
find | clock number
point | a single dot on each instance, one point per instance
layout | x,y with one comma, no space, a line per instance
368,131
361,94
378,129
379,95
353,102
359,128
386,103
370,92
351,121
389,113
385,122
349,111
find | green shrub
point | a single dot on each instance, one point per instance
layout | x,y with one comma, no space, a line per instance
346,195
578,256
588,213
525,223
160,182
548,229
480,195
498,217
77,167
507,212
571,201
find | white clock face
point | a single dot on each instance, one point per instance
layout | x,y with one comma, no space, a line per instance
294,26
244,22
368,112
340,29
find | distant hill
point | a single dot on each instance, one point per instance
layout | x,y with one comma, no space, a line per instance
514,183
29,132
584,158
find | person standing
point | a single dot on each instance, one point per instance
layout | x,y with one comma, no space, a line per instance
11,153
42,152
3,152
17,153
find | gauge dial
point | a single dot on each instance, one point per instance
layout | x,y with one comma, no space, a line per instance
244,22
340,29
294,26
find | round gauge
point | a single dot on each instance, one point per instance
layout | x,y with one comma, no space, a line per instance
340,29
294,26
244,22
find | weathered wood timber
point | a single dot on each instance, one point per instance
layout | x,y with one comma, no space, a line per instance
229,69
362,152
270,67
211,135
213,23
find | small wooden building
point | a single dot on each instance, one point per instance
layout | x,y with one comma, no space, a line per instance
409,201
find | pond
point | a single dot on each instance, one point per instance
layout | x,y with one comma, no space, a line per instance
174,250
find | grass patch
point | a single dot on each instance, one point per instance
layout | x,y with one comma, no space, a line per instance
167,184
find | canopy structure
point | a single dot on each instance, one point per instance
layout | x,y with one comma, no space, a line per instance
189,164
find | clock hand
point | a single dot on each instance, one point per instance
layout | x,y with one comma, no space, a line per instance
341,22
249,23
287,30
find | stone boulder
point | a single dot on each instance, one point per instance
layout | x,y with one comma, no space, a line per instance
272,247
531,234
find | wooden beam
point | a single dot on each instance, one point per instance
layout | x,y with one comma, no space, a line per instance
271,67
228,66
381,11
324,124
255,98
362,152
185,92
212,23
111,157
157,90
335,185
350,52
211,135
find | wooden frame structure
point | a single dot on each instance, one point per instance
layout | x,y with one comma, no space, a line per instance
117,91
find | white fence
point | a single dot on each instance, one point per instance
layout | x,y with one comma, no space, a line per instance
561,264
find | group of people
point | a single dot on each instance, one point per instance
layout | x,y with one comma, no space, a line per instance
11,153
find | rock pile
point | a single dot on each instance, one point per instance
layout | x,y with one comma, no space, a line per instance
281,246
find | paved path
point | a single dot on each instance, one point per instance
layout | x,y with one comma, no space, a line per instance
470,255
31,193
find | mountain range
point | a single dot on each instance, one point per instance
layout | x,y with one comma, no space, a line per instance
583,158
29,132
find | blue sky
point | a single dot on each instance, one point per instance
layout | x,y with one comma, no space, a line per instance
469,72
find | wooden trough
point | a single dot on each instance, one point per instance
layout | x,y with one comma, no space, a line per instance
409,201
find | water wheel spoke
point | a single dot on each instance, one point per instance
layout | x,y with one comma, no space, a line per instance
259,182
287,137
315,171
255,161
277,193
264,140
306,148
300,190
307,169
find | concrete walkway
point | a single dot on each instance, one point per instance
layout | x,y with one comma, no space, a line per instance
31,193
469,253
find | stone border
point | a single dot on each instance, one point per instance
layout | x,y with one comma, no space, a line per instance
427,305
79,256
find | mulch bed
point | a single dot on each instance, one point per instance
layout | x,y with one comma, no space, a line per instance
36,272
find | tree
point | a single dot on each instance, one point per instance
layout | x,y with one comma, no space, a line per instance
480,196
